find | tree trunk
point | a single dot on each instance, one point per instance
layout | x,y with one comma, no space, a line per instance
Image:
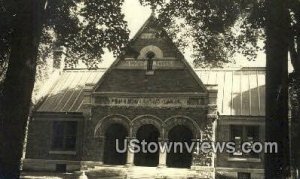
294,93
277,128
18,85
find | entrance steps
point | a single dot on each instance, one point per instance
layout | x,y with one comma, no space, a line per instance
160,173
139,172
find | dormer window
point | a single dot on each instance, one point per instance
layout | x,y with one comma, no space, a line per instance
150,55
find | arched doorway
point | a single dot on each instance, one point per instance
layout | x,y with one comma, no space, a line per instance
113,133
180,159
150,134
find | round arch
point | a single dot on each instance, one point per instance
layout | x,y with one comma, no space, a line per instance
150,134
183,121
115,133
151,48
105,122
147,119
182,159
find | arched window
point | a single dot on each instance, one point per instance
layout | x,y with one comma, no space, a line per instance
150,55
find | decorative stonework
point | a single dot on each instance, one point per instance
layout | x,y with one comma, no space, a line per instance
111,119
170,63
185,121
151,101
147,119
157,51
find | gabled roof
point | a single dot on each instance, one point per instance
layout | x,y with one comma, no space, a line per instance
241,92
159,76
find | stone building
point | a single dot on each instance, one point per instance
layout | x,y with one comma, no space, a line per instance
149,93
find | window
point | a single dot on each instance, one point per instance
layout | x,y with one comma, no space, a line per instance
150,55
243,175
64,135
241,134
61,168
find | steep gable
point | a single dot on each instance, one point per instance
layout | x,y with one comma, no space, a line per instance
151,63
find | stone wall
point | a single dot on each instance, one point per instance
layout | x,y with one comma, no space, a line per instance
94,144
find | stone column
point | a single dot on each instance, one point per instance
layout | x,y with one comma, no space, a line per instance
195,152
130,153
101,143
162,153
212,116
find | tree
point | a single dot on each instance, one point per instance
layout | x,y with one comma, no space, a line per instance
277,126
222,28
77,25
219,29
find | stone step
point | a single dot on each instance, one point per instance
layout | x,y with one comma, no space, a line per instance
139,172
160,173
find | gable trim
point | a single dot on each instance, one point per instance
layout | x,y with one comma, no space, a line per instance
182,59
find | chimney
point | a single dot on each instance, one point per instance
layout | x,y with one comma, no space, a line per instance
59,58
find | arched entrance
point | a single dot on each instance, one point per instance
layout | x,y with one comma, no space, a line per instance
180,159
113,133
150,134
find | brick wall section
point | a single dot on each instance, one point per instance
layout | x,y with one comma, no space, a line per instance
39,141
119,80
92,147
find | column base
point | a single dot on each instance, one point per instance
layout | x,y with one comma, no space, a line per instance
162,166
129,165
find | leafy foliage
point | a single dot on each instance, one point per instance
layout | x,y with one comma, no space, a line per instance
218,29
85,28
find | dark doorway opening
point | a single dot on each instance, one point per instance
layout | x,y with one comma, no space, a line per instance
113,133
150,134
177,158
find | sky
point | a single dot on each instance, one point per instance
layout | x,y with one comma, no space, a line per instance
136,15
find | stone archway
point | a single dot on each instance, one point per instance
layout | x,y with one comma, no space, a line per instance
185,121
147,156
157,51
105,122
147,119
180,156
107,130
114,144
181,129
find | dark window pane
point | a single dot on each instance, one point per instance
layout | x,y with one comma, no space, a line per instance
57,143
242,175
236,137
241,134
149,64
253,132
252,136
61,167
64,135
70,143
71,128
236,131
57,135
